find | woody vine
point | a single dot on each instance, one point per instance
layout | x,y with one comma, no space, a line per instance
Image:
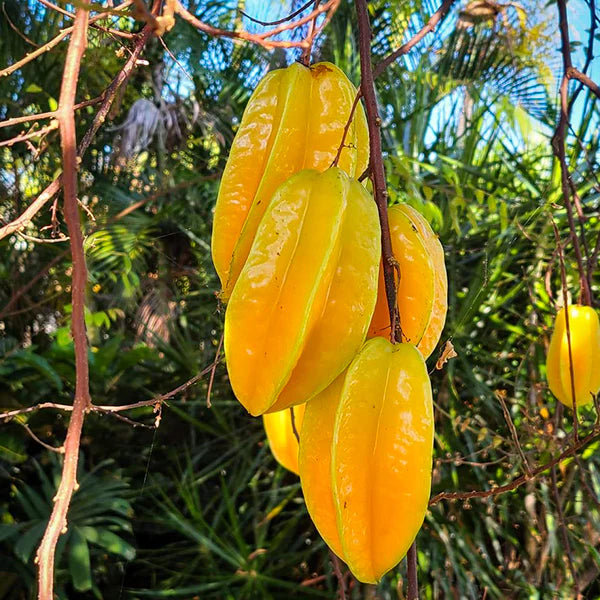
161,17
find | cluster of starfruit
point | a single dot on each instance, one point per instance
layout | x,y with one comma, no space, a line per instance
297,246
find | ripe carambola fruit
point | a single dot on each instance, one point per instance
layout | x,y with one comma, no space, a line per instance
365,457
585,352
294,120
301,307
281,436
422,298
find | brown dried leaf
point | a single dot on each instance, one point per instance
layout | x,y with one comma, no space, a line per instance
447,353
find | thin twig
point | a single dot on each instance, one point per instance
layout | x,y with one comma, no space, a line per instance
376,159
563,530
47,115
68,483
293,421
55,41
337,570
108,408
519,481
513,432
559,147
279,21
43,131
261,39
213,370
430,26
563,278
305,58
108,98
59,450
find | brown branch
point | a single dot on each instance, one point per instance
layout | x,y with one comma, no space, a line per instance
68,482
16,29
47,115
60,450
376,159
519,481
305,58
108,408
513,431
337,570
213,370
261,39
377,170
107,101
55,41
559,147
563,279
279,21
27,136
25,218
573,73
66,13
430,26
563,530
293,421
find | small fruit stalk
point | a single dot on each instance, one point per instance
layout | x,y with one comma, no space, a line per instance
282,437
294,120
583,360
422,294
301,307
365,457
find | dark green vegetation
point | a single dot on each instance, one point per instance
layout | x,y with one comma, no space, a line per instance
198,508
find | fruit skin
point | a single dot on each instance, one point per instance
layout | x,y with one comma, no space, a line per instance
293,121
365,457
302,305
281,436
585,350
423,288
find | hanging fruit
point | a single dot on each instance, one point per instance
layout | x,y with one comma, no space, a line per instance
365,457
282,438
584,329
294,120
422,295
302,305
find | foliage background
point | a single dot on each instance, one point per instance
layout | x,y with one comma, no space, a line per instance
198,508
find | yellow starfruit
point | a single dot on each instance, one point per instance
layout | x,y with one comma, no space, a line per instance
281,435
584,329
365,457
294,120
422,297
302,305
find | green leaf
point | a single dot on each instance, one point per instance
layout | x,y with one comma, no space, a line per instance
29,540
42,365
79,562
109,541
33,88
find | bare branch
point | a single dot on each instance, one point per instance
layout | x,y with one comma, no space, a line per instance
108,98
55,41
68,482
279,21
573,73
430,26
519,481
262,39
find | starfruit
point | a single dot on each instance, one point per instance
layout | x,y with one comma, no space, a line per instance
422,297
282,438
584,331
302,305
365,457
294,120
